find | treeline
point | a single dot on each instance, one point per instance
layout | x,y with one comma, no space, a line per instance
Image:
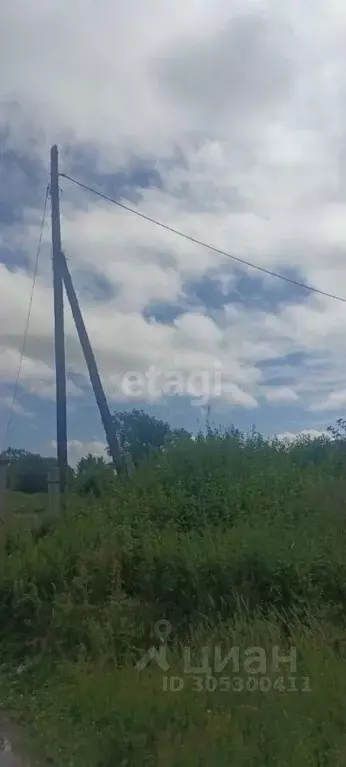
28,472
140,436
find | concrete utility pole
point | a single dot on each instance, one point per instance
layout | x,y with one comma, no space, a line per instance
60,368
95,379
54,497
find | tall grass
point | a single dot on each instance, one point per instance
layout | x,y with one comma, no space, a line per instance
230,539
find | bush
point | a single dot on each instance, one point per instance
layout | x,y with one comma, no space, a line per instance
234,540
202,527
94,477
28,473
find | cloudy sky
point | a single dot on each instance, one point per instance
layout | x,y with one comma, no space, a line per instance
226,120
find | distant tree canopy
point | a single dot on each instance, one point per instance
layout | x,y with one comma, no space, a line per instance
93,475
28,472
90,463
338,430
140,434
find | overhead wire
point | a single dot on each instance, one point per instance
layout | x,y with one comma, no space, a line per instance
26,329
203,244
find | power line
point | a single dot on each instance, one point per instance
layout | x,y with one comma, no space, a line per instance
15,391
204,244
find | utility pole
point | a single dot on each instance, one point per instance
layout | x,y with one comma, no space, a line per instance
60,368
95,379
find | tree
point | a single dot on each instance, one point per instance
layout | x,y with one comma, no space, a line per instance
140,434
90,462
93,476
338,431
13,454
28,472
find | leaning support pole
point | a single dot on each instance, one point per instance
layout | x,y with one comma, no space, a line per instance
95,379
60,369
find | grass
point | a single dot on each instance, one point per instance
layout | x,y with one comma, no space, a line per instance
100,714
22,503
235,543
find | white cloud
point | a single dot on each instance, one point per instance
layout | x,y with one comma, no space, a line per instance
281,394
336,400
291,436
78,449
7,403
241,109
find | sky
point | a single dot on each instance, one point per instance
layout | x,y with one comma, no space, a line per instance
224,120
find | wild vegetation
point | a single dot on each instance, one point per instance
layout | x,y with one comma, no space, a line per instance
235,541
